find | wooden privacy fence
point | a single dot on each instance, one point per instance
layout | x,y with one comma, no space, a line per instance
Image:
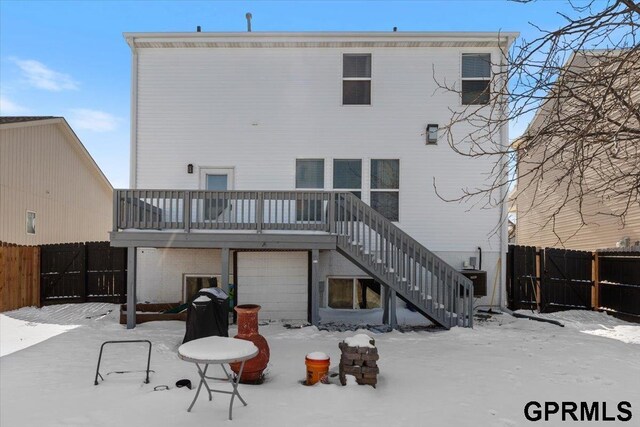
553,279
619,280
19,276
83,272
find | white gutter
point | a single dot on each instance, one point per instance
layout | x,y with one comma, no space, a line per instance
133,161
504,215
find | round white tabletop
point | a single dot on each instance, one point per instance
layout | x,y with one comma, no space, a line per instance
217,350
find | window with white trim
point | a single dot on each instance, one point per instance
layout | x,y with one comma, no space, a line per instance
356,79
476,78
347,175
309,176
385,187
353,293
309,173
31,222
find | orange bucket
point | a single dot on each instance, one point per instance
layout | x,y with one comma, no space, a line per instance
317,367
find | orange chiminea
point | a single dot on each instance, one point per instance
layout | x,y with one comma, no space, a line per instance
248,330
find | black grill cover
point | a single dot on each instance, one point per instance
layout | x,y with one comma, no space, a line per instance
207,315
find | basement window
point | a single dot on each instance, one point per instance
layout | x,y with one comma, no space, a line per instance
356,79
31,222
476,78
353,293
192,283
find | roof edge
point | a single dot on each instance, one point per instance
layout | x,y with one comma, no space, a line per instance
61,121
325,34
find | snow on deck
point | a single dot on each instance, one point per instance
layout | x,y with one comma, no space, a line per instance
463,377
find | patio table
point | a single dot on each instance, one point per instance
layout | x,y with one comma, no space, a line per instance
217,351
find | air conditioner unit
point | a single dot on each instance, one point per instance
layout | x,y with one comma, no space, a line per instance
479,279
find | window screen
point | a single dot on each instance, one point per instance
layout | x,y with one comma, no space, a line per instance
476,65
356,92
476,76
356,79
385,187
385,174
347,174
310,173
356,65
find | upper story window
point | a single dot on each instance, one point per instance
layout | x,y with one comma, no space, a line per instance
347,175
356,79
385,187
476,78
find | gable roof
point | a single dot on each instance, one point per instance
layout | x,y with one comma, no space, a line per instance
10,122
578,61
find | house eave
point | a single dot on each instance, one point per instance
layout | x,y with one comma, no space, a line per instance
318,39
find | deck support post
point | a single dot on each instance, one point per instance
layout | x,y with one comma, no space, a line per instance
393,320
315,289
224,267
388,298
131,286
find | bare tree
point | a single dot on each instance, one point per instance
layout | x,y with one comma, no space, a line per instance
582,81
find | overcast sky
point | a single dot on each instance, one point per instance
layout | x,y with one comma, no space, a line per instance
69,58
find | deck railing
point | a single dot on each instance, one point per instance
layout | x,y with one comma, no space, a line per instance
221,210
364,236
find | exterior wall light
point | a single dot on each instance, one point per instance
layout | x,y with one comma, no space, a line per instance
432,134
189,168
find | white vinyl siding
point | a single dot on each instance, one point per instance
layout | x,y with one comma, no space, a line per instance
260,109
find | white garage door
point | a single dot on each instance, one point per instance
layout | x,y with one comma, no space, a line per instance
278,281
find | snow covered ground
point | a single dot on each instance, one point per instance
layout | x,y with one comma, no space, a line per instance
480,377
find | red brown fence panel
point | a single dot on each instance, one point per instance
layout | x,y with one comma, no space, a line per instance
19,276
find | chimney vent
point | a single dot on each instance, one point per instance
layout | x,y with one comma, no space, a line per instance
198,29
248,16
395,29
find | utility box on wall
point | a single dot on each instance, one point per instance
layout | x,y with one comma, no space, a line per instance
479,279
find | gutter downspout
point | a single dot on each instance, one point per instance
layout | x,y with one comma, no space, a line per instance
133,161
504,192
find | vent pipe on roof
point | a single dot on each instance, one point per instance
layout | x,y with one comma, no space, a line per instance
395,29
198,29
248,16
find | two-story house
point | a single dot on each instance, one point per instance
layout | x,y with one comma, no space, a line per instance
300,167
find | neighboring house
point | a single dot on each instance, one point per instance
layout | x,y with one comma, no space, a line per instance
595,223
51,190
252,155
